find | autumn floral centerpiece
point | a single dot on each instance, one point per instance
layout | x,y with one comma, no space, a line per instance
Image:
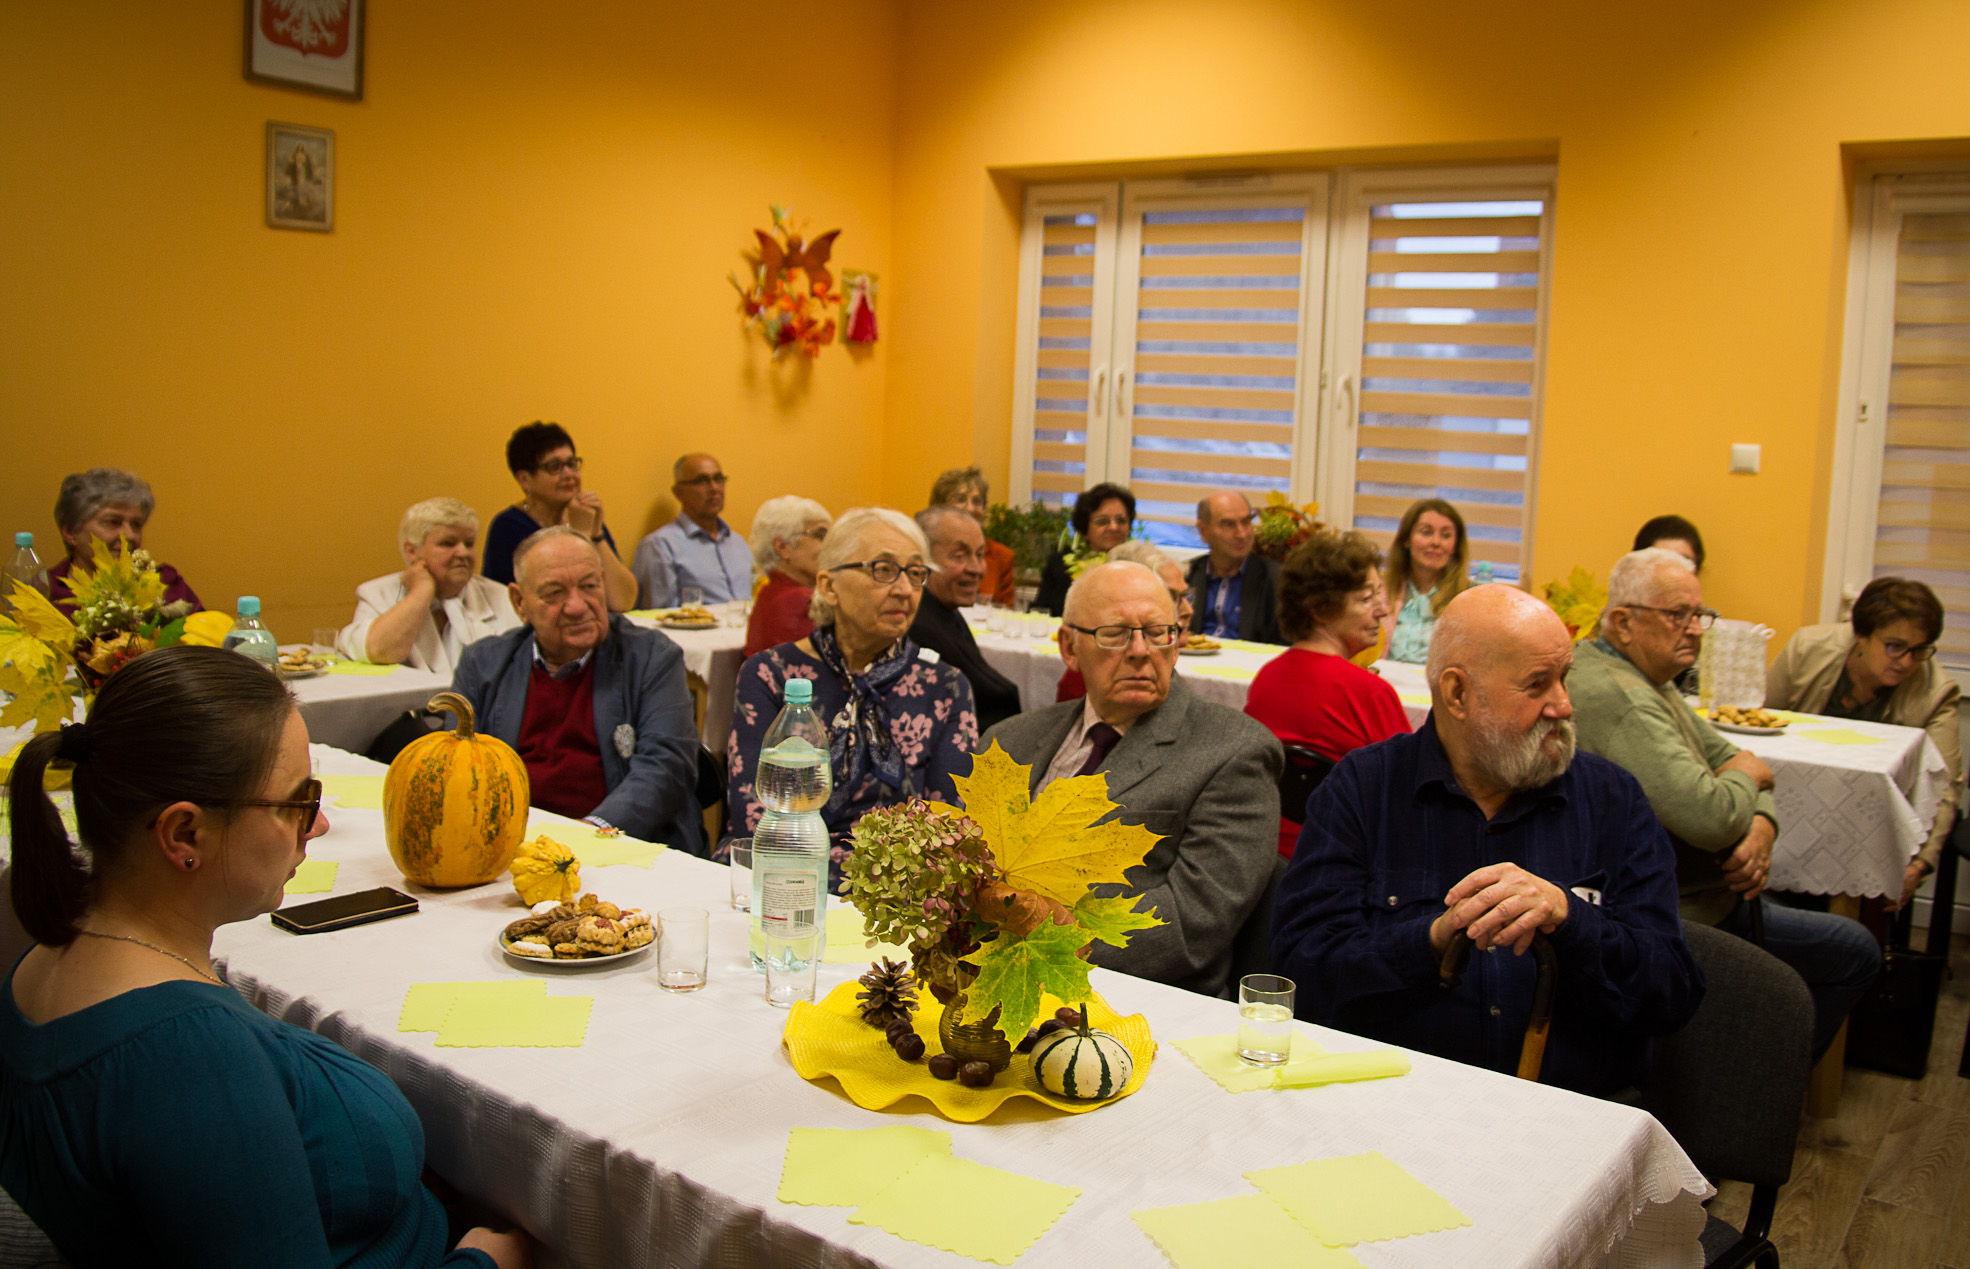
1283,526
119,616
996,900
1578,600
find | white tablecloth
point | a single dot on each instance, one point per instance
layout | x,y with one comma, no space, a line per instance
659,1141
714,656
348,710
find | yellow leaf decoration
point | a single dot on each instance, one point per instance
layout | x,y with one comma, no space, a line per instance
1578,600
41,693
127,576
39,619
206,629
1052,847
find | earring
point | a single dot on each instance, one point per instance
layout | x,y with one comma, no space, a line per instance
190,864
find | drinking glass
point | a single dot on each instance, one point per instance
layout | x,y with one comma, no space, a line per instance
792,953
683,935
324,639
690,597
738,858
1265,1019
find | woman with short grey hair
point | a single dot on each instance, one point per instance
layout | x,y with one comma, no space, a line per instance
428,614
900,724
108,505
786,544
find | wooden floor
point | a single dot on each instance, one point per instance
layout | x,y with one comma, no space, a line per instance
1886,1185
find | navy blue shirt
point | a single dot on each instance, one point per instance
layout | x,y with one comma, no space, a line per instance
508,529
1387,835
1223,597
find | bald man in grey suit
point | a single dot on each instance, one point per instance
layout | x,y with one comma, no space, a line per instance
1203,776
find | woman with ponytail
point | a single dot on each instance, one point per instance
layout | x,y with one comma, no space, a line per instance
148,1115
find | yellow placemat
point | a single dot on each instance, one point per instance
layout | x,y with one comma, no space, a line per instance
553,1022
1236,673
1234,1233
965,1207
1357,1198
829,1039
590,845
361,669
1217,1057
354,792
845,1167
426,1004
1311,1066
848,940
1413,698
1247,645
1841,736
314,876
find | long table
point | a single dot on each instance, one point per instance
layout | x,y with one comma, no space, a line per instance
659,1141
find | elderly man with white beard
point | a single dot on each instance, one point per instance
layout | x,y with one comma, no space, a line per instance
1485,820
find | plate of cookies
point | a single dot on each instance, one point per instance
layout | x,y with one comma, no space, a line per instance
580,935
692,618
1199,646
1747,722
302,663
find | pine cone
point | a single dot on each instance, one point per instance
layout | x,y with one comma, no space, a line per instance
889,993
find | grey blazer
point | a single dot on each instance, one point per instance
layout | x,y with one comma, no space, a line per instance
639,684
1205,777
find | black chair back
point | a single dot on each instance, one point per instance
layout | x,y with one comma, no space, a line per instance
1251,947
1302,774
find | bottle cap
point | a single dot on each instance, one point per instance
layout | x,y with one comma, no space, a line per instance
800,691
249,605
23,539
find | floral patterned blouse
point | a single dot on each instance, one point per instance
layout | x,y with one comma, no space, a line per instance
933,724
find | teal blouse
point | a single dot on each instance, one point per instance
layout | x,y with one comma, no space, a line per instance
1410,640
177,1125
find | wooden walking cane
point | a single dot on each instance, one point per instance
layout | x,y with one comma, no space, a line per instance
1532,1053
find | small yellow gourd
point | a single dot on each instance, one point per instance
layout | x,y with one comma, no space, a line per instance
545,869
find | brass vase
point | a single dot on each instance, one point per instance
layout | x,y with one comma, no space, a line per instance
978,1041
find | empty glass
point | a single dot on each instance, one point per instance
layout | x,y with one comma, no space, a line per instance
690,597
683,936
792,953
738,857
1265,1020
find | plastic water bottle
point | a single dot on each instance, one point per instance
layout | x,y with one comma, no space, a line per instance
248,637
25,566
790,843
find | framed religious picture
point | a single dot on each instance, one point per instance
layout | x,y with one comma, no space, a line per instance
313,45
300,177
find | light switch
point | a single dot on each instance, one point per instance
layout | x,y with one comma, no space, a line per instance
1744,458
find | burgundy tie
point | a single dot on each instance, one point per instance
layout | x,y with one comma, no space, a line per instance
1104,738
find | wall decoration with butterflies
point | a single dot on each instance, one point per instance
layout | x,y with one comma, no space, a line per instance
791,298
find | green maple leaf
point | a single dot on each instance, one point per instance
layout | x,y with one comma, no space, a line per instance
1111,919
1013,975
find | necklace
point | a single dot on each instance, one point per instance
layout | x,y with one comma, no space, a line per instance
125,938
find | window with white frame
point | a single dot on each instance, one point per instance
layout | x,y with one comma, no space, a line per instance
1362,339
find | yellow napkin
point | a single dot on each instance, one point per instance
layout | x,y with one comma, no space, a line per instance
1233,1233
360,669
1236,673
842,1167
555,1022
1841,736
1310,1066
1341,1068
1247,645
354,792
847,936
1413,698
314,876
965,1207
426,1004
1357,1198
589,845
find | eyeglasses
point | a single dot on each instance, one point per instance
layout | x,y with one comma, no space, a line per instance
309,802
1682,617
1110,522
710,480
555,466
1119,638
819,533
885,572
1896,650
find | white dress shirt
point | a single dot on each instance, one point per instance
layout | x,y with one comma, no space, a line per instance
480,610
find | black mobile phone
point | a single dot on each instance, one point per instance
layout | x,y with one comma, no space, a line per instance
345,910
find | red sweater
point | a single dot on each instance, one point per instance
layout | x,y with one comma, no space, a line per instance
557,742
1327,704
779,614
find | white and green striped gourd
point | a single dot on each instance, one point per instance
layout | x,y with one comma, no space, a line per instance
1082,1063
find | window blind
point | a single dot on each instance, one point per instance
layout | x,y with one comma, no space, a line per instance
1923,522
1449,370
1064,358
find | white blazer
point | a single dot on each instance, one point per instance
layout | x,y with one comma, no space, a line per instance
480,610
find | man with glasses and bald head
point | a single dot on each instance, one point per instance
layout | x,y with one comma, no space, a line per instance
698,550
1714,798
1203,777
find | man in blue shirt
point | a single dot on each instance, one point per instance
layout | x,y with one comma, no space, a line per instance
1486,820
696,550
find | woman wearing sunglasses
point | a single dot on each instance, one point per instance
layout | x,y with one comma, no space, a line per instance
1880,667
900,725
150,1115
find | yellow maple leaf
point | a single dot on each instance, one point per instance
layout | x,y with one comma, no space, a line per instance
117,575
1052,846
40,695
39,619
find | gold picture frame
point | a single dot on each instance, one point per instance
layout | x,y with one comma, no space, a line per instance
300,177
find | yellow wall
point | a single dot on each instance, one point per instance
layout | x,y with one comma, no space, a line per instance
1701,216
536,208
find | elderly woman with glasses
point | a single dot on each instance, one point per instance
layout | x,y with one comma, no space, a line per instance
1880,667
1102,519
786,545
105,504
899,725
428,614
544,464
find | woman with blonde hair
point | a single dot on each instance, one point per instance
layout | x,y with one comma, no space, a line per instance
899,725
1428,567
427,615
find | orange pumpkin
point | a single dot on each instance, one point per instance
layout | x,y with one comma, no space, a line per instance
455,803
